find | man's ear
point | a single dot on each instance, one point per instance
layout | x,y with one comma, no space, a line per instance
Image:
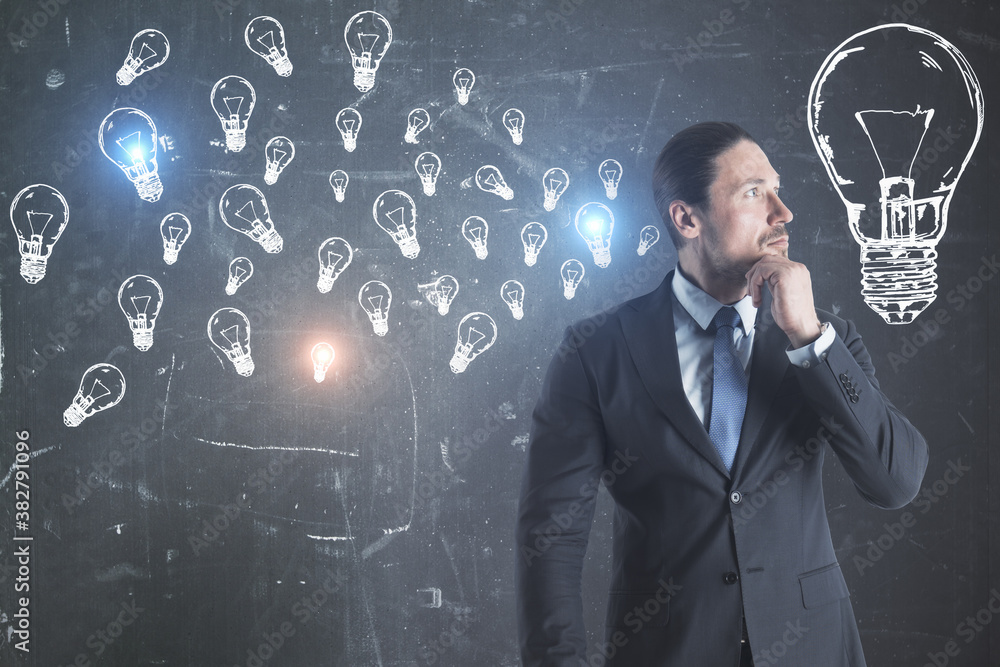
685,219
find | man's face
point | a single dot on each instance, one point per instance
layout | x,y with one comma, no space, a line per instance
744,219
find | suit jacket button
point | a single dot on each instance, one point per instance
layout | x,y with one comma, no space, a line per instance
736,497
730,578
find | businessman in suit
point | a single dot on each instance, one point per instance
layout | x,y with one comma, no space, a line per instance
708,426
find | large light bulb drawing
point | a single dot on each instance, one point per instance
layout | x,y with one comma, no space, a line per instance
572,273
368,35
648,236
128,138
39,214
513,120
322,356
175,228
476,333
428,168
395,212
464,80
229,331
240,270
533,237
595,223
140,298
265,37
376,297
610,172
476,231
101,387
277,154
489,179
444,293
349,124
512,293
149,49
335,255
338,181
416,122
244,209
233,99
554,183
903,145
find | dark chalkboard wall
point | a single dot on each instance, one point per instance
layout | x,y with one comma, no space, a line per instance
215,519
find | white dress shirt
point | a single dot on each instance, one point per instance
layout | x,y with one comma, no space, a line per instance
694,311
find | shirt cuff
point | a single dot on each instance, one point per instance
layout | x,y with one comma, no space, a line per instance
815,352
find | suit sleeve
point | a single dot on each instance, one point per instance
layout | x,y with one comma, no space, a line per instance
883,453
556,508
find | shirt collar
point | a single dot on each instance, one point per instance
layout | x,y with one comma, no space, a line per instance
702,307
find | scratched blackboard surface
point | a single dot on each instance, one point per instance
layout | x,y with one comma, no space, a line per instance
213,517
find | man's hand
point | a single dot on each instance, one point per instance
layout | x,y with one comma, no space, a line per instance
792,305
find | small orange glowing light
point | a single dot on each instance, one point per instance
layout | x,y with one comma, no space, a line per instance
322,356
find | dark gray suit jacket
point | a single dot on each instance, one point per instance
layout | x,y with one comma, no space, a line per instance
695,546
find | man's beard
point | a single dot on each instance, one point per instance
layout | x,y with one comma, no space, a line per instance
734,272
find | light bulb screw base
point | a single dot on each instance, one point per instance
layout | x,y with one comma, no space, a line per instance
74,416
149,187
530,257
569,291
325,283
125,75
271,241
244,365
364,79
143,340
236,140
170,255
459,363
33,269
898,283
409,247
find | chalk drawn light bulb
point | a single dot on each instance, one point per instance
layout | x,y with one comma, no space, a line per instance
416,122
233,100
335,255
149,49
140,298
476,231
445,291
349,124
376,297
533,237
648,237
395,212
464,80
900,148
476,333
175,228
595,223
554,183
277,154
489,179
512,293
244,209
338,181
572,273
610,172
513,120
322,356
229,331
428,168
240,270
128,138
368,35
265,37
39,214
101,387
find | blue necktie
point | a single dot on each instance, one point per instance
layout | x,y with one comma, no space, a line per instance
729,387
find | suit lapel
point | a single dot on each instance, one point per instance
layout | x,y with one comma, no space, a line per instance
648,327
767,368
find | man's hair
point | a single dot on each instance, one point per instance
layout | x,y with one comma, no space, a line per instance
686,168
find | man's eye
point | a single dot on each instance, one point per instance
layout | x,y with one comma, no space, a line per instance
752,192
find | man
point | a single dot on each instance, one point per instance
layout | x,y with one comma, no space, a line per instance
685,410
